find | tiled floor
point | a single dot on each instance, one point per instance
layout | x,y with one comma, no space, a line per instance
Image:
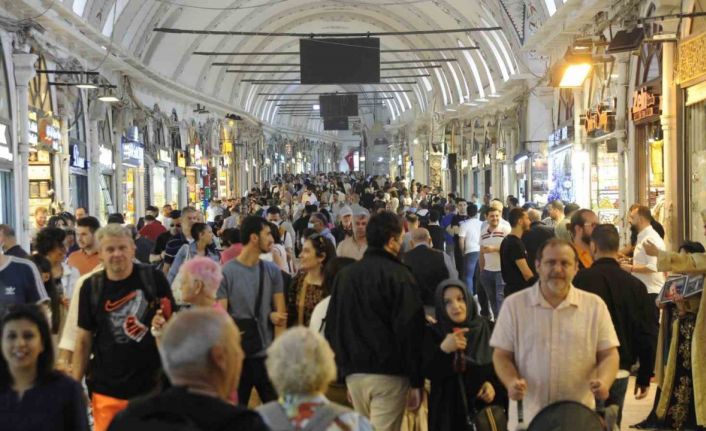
634,410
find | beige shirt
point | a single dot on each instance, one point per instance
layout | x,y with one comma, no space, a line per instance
555,348
68,336
349,248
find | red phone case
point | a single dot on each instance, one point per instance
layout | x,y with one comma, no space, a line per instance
166,306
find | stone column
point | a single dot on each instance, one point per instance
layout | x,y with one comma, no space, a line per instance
621,123
668,120
24,72
94,169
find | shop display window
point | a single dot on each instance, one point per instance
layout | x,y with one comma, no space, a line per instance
605,186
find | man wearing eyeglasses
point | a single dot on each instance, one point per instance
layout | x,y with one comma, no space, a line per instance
581,226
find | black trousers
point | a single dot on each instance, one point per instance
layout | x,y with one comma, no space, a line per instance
254,375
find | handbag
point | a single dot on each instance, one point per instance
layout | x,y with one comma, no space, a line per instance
490,418
250,337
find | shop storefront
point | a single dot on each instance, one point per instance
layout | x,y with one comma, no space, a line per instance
161,178
560,165
692,77
539,174
105,199
649,146
78,176
45,141
599,125
132,151
7,214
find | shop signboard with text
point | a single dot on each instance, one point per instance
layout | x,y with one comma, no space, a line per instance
133,152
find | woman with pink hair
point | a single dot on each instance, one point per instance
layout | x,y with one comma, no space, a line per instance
198,280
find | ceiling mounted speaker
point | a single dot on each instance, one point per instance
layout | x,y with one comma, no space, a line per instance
340,60
626,41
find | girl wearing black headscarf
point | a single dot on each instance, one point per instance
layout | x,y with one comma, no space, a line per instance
458,345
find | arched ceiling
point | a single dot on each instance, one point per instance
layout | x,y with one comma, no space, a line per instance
473,78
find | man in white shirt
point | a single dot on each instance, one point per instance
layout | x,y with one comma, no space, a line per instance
490,271
214,209
643,266
469,241
554,342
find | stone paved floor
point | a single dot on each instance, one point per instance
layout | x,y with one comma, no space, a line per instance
634,410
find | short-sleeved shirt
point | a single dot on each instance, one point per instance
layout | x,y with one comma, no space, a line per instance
653,280
239,286
160,245
511,250
556,353
470,234
153,230
125,361
83,262
20,283
493,238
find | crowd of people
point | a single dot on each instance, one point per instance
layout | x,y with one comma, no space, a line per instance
345,303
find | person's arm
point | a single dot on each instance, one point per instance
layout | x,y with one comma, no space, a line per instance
524,268
678,262
481,261
82,351
450,267
606,370
505,368
178,260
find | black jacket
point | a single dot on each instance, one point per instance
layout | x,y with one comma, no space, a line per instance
438,237
375,319
429,269
536,236
176,408
631,310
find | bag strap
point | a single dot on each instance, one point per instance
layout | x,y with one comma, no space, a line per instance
468,410
275,416
324,415
260,288
97,283
147,278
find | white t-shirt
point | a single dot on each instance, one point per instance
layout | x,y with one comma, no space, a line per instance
653,280
318,316
493,238
470,233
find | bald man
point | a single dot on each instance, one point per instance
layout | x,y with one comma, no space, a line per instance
538,233
201,355
429,266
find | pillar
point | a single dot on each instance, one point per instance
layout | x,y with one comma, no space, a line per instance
24,72
669,129
621,122
94,169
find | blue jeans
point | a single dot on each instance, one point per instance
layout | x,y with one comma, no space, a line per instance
617,395
494,286
470,261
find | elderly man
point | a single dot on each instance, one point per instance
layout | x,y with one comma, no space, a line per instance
429,266
354,246
568,352
201,355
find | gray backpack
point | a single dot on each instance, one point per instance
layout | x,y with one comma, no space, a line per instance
276,418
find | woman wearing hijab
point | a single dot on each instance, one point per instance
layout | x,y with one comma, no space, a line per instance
457,353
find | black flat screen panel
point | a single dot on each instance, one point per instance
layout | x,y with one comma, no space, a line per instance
336,123
334,105
340,60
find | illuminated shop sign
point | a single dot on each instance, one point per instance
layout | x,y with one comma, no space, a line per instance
474,161
644,104
164,156
76,160
106,158
133,152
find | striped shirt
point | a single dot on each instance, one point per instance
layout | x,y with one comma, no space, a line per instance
494,238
